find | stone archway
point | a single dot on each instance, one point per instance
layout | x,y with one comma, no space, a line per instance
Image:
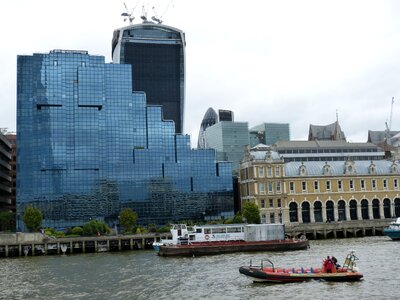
387,212
305,212
341,210
375,209
353,209
318,211
293,212
364,209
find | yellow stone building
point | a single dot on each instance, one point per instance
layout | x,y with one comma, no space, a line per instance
317,191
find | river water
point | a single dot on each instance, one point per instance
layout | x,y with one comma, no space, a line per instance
144,275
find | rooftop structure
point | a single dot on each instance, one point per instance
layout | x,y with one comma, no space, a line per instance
331,132
269,133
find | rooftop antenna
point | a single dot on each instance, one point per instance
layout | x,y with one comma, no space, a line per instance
128,15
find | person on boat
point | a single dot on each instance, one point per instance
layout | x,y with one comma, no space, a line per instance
328,265
335,263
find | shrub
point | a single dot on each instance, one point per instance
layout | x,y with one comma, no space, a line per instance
78,231
32,218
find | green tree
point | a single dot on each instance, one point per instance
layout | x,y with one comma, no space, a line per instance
32,218
251,213
128,219
95,227
7,221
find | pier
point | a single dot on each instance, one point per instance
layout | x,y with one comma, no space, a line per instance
340,229
75,245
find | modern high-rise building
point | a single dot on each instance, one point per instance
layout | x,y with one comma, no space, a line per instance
88,147
269,133
157,55
5,176
229,139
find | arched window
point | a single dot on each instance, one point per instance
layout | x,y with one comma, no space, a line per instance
397,207
353,209
302,170
387,212
375,209
364,209
305,212
393,168
318,211
341,210
329,211
293,214
372,169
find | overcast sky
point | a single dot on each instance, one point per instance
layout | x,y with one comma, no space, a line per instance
296,62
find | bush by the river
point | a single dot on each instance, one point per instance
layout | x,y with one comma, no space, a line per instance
95,227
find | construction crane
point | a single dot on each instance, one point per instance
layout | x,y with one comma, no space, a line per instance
389,126
128,15
156,18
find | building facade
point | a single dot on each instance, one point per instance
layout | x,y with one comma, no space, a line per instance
88,147
269,133
312,192
157,55
229,140
5,174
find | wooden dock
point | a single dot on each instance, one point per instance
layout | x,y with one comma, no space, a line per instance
75,245
341,229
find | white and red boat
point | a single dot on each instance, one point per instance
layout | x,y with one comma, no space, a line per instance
329,271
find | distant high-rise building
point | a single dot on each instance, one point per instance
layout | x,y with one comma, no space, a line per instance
210,118
269,133
5,174
157,55
229,139
89,147
225,115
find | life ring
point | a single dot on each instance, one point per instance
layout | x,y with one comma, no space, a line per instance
206,236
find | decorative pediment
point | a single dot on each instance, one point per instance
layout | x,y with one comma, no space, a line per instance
327,170
349,168
302,170
394,168
372,168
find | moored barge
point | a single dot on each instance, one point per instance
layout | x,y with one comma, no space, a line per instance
220,239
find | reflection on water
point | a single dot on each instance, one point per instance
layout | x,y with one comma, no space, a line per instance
144,275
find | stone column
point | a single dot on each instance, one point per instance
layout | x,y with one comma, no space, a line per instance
359,215
312,217
381,211
335,212
323,213
347,212
370,212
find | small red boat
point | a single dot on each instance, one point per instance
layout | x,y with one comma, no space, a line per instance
330,271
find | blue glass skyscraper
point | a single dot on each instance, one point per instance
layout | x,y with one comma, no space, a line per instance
157,55
88,147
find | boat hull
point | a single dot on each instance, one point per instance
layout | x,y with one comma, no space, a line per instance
258,275
393,234
213,248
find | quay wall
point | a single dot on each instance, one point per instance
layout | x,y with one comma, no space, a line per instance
341,229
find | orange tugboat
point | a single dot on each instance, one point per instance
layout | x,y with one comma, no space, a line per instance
330,271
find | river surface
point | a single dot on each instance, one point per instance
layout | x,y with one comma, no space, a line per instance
144,275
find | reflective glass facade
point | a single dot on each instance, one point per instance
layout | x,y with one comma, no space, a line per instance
88,147
157,55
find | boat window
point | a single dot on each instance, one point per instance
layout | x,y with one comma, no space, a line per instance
198,230
219,230
234,229
207,230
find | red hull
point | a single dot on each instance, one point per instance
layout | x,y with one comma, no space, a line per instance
212,248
